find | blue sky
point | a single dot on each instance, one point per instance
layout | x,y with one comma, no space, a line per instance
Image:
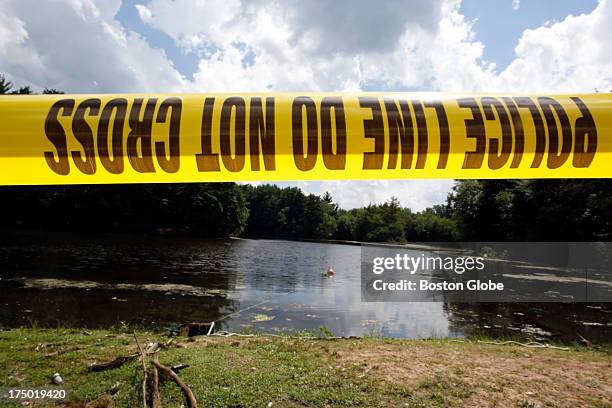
185,62
498,26
191,46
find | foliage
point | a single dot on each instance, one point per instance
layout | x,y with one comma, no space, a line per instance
477,210
430,226
380,223
6,88
389,222
51,91
533,210
24,90
208,210
5,85
289,213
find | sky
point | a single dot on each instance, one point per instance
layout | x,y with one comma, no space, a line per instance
100,46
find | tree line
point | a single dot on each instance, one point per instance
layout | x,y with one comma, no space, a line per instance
6,88
475,210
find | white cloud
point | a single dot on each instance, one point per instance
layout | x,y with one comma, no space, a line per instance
12,32
414,194
290,45
357,26
195,23
77,45
572,55
516,4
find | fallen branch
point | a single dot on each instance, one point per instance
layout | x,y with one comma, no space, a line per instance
144,372
191,401
531,344
179,367
118,362
155,398
584,340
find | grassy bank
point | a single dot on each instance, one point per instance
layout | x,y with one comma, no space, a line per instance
290,372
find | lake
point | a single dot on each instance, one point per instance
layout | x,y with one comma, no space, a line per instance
103,280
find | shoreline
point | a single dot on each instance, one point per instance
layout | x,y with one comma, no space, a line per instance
293,371
153,234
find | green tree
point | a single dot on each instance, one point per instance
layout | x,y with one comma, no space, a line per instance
5,85
533,210
345,225
24,90
289,213
210,209
380,223
428,225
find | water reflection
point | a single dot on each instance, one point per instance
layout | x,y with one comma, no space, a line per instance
83,280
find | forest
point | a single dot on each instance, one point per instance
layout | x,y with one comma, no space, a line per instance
475,210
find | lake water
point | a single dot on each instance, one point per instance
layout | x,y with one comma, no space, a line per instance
87,280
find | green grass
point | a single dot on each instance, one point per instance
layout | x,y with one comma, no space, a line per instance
220,374
235,372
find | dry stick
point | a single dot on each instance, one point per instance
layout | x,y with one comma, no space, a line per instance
144,370
212,326
155,398
531,344
116,363
191,401
584,340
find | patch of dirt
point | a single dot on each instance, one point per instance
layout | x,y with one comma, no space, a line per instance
488,375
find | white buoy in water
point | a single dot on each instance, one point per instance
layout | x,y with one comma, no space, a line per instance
330,272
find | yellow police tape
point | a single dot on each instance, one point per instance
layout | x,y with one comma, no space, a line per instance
73,139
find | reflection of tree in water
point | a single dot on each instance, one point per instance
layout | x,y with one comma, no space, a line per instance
556,321
92,280
100,281
116,258
104,308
